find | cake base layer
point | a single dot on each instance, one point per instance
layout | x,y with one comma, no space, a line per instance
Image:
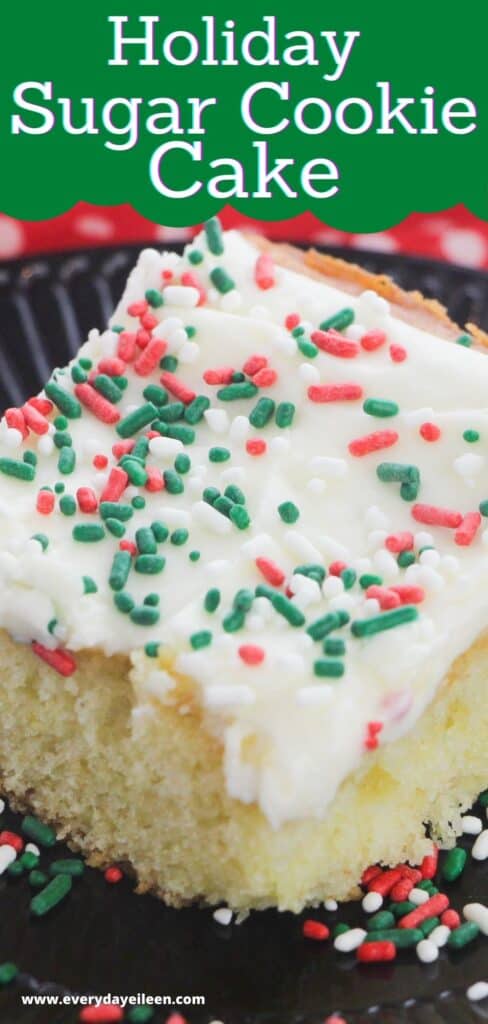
150,792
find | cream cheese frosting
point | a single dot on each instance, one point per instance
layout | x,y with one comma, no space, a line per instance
281,549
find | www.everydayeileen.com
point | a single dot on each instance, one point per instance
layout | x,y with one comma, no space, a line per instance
124,1002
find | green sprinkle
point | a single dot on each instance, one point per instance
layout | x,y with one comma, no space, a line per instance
405,558
312,570
51,626
66,402
121,382
78,375
151,650
37,831
282,605
471,436
202,639
169,363
240,517
68,866
59,488
464,339
15,870
262,412
173,482
340,929
62,439
394,472
172,412
381,920
140,449
136,420
124,602
154,298
402,908
182,463
387,620
232,392
66,461
88,533
120,570
234,493
153,393
49,897
179,537
86,363
210,495
285,414
194,556
135,470
243,600
41,539
8,972
195,410
328,667
288,512
307,348
144,615
115,527
153,600
298,331
214,236
29,860
348,577
140,1015
484,508
212,600
223,505
454,864
462,935
149,565
380,407
338,321
334,647
116,510
89,585
218,454
483,798
370,580
222,280
319,629
195,256
37,879
20,470
178,431
67,505
402,938
238,377
107,387
190,331
30,458
60,422
160,531
234,621
428,926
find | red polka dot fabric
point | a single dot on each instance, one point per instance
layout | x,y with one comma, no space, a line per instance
455,235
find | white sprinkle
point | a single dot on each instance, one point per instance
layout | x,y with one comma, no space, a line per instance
418,896
472,825
218,566
450,564
309,374
7,856
316,486
231,301
429,578
2,806
371,606
427,951
431,557
223,915
308,696
332,586
331,905
372,902
181,295
375,519
240,428
326,466
210,519
423,539
221,696
260,546
280,445
11,437
233,475
440,935
477,991
32,848
349,940
164,447
355,331
45,445
301,546
218,420
386,564
189,353
480,846
478,913
376,539
469,465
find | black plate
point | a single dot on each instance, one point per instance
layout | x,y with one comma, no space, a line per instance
104,938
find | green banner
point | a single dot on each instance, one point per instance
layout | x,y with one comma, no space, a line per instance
360,113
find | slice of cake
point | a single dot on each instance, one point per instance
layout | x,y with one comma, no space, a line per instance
243,563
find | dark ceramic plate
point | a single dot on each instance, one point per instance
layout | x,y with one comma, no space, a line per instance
104,938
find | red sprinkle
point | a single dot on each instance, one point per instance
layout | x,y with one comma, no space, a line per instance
123,448
373,729
167,275
256,446
468,529
155,479
335,344
431,515
116,484
254,364
398,353
113,875
428,866
62,661
335,392
143,338
100,461
112,366
271,572
413,874
292,321
176,1018
264,271
35,419
373,442
385,596
251,654
335,568
220,375
430,432
45,503
15,420
138,308
315,930
451,918
191,280
265,378
127,346
148,321
409,594
369,873
401,890
101,1014
431,908
11,839
376,952
384,882
128,545
177,387
104,410
87,499
43,405
149,358
373,340
398,542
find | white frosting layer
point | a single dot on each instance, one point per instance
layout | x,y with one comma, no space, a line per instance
290,736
